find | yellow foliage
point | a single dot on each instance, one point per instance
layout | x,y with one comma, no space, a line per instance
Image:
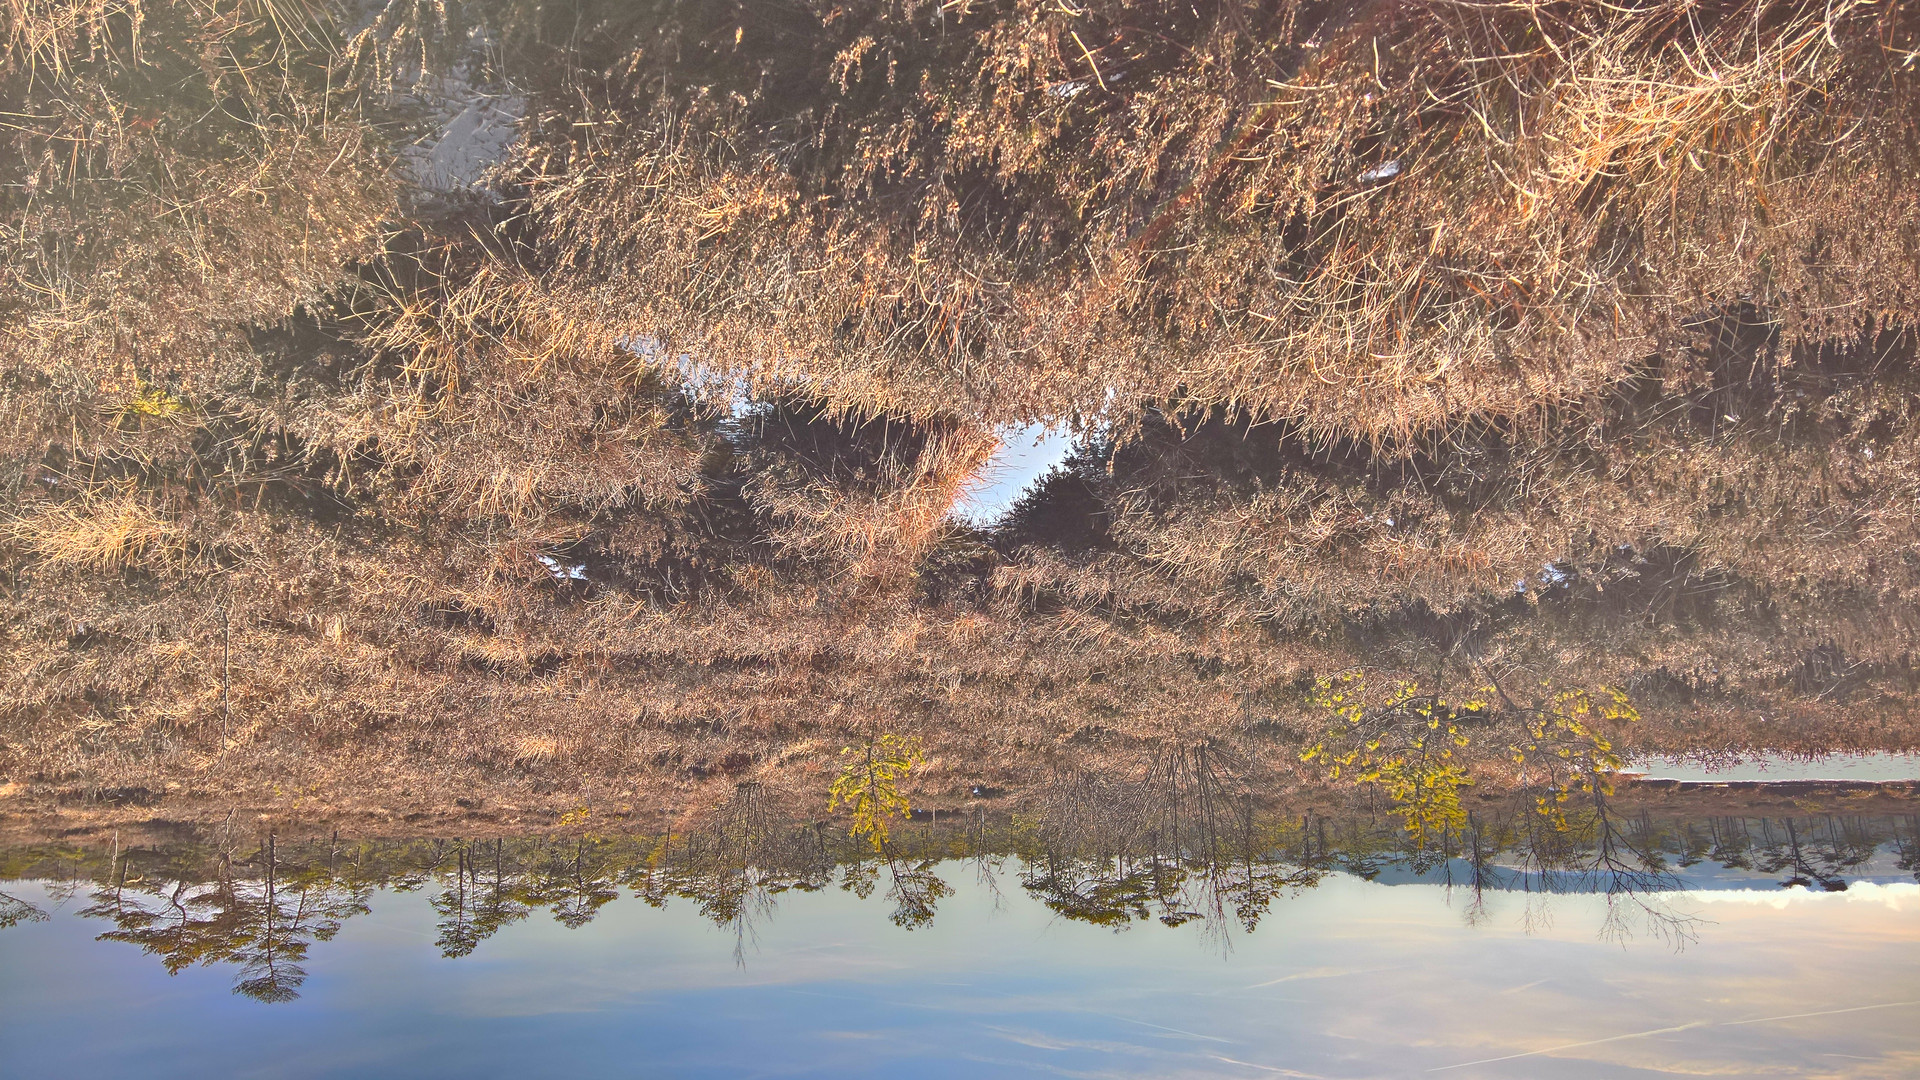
869,785
1563,745
1405,746
151,403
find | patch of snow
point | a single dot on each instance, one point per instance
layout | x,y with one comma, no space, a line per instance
1384,171
729,393
467,149
1893,894
469,129
562,572
1877,766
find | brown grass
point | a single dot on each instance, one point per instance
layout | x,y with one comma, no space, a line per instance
176,174
882,526
103,534
287,455
1575,181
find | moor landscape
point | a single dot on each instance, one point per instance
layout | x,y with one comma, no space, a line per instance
506,456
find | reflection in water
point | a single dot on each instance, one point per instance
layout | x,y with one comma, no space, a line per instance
1173,849
478,901
263,924
734,867
1877,767
14,911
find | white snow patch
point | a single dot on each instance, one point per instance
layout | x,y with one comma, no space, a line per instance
1897,895
562,572
1384,171
469,130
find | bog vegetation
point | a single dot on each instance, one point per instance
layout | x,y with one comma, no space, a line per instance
347,458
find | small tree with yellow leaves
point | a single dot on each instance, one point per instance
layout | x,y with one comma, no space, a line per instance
1406,744
1564,751
869,785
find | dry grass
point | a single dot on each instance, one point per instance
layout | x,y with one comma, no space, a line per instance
177,173
1574,181
107,533
495,408
882,524
436,489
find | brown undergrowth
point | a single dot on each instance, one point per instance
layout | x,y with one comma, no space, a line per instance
1568,343
1373,219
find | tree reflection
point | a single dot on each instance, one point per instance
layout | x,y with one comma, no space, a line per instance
1178,843
263,925
1175,846
478,901
734,864
574,885
915,892
14,911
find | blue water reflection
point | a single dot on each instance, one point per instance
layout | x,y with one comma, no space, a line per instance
1349,978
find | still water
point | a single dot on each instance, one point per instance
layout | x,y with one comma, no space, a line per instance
1874,767
1395,970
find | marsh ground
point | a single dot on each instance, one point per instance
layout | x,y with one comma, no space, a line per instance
1560,346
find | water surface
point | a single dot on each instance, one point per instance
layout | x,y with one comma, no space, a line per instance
1873,767
1363,966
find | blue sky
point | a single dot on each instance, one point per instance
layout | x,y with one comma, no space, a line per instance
1026,453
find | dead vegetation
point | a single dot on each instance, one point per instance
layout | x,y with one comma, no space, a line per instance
101,535
177,172
1375,220
1569,336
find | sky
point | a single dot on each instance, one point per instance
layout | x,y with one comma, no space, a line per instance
1025,455
1349,979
